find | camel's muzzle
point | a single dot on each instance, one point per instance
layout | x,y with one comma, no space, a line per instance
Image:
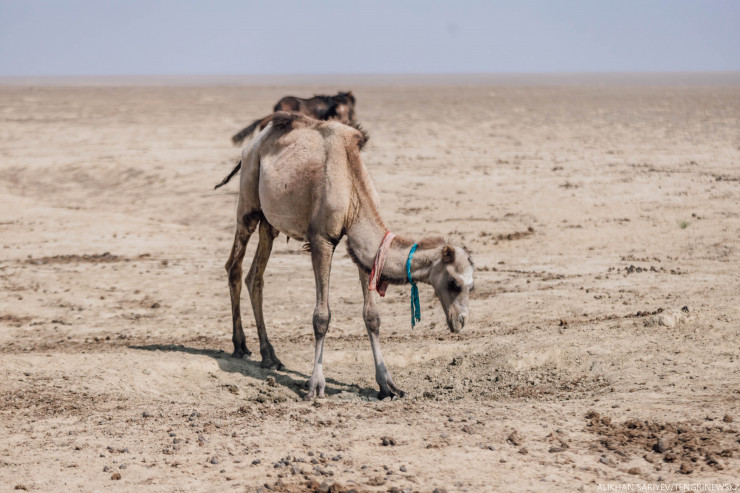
456,324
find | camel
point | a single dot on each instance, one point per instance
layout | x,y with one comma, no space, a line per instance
304,178
322,107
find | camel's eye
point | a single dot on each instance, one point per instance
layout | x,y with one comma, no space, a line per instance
453,286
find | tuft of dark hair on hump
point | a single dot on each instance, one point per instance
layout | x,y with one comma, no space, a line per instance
283,120
364,135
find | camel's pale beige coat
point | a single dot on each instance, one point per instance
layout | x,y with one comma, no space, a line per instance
304,178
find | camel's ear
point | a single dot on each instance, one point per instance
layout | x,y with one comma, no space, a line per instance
448,254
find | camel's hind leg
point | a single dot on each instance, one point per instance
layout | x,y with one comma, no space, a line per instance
372,324
322,252
255,283
244,229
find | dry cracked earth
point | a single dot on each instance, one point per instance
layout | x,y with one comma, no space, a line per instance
603,342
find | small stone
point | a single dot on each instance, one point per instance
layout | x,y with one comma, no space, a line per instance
256,461
686,468
661,446
116,476
728,419
122,466
106,469
146,414
271,381
214,460
666,320
337,457
605,460
523,451
457,361
386,441
402,468
634,471
439,490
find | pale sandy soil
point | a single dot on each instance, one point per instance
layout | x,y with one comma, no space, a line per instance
586,205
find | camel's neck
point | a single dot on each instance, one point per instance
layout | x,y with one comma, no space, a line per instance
364,238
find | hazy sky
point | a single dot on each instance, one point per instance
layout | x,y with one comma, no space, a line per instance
142,37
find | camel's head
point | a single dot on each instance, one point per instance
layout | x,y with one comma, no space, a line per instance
452,277
345,107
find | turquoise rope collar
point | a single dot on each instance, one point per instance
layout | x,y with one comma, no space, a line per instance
415,307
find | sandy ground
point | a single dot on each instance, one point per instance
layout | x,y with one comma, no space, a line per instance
604,337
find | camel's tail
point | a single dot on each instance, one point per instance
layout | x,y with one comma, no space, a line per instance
238,138
231,175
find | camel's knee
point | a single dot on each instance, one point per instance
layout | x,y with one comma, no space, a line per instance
372,320
321,319
254,281
234,272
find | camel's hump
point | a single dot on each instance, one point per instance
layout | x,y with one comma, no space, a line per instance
285,121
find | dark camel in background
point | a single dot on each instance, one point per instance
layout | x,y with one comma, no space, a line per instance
339,107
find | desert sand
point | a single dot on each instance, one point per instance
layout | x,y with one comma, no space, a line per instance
602,349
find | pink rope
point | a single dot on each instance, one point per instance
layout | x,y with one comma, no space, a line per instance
376,284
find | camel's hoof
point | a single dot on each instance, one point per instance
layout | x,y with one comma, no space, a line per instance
385,395
241,354
309,396
272,364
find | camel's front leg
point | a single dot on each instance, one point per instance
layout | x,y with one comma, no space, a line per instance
372,324
321,255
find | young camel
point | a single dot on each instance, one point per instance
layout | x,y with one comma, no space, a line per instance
304,178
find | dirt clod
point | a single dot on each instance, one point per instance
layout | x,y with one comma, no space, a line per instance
514,438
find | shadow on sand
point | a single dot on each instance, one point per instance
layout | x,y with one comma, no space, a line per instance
290,379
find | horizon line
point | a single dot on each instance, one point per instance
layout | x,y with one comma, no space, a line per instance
727,76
